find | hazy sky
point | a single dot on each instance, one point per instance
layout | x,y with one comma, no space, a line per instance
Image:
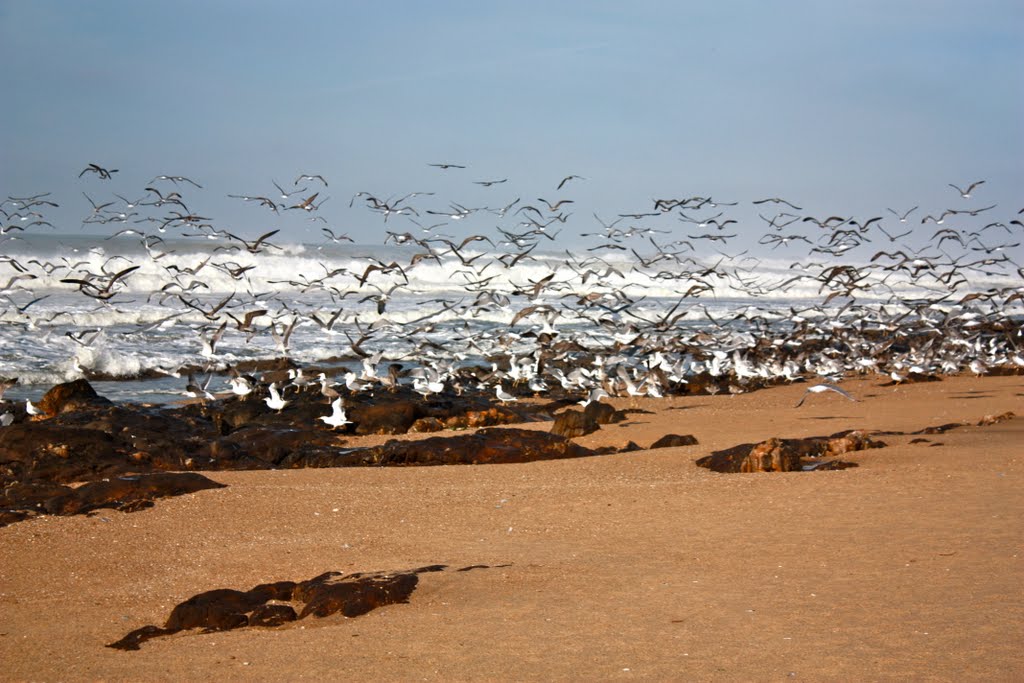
841,106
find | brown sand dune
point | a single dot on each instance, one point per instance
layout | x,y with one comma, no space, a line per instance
631,566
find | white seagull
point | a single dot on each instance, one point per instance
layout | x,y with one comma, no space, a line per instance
821,388
274,401
337,418
595,395
503,395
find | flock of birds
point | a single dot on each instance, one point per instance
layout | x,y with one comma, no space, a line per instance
579,320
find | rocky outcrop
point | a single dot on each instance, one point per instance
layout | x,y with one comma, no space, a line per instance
109,446
573,423
487,446
789,455
70,396
127,493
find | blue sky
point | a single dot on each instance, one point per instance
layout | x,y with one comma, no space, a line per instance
845,107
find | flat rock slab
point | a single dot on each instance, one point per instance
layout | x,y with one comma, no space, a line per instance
273,604
486,446
128,493
674,441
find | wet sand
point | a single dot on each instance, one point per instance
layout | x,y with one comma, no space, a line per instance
631,566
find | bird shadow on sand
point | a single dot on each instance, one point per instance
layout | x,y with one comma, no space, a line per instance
971,394
696,405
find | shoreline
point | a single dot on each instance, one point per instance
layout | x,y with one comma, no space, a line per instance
627,565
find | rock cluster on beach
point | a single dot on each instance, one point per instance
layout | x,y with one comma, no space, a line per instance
119,448
84,452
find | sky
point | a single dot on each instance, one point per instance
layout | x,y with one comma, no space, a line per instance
841,107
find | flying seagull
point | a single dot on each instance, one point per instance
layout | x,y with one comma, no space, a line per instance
821,388
567,179
966,194
103,173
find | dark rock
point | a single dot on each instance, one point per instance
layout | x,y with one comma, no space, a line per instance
88,440
426,424
787,455
573,423
272,615
54,452
673,440
939,429
603,413
829,465
125,493
848,442
273,604
495,415
12,516
135,639
384,418
773,455
235,414
30,494
70,396
224,608
354,595
257,447
486,446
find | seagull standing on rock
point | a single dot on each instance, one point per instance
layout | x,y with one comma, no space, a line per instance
503,395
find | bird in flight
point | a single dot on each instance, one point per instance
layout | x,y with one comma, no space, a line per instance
567,179
902,216
306,204
176,179
445,167
966,194
777,200
103,173
821,388
305,177
94,290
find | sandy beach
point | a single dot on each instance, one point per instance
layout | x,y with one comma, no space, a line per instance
636,565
